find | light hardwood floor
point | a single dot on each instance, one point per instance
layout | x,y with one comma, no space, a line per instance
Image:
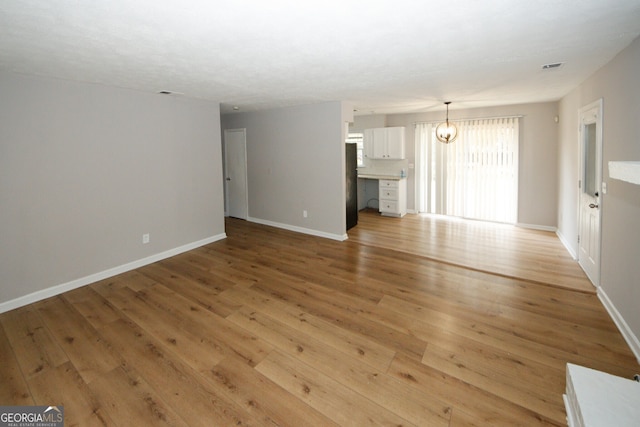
503,249
412,321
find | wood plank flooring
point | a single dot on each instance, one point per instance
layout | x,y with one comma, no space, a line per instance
442,324
496,248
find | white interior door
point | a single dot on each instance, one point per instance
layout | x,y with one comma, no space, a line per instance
589,208
235,167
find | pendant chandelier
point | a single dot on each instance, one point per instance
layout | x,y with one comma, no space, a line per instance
446,132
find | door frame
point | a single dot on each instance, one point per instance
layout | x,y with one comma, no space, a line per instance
245,197
587,116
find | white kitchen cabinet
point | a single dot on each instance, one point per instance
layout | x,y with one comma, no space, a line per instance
395,143
392,195
368,143
384,143
380,142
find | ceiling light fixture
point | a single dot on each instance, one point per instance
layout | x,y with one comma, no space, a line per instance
446,132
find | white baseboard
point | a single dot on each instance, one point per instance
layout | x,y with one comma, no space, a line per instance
537,227
625,330
74,284
566,244
299,229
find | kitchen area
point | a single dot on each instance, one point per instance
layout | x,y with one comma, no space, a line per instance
382,169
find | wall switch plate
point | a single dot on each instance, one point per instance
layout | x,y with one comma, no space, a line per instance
604,188
145,238
304,213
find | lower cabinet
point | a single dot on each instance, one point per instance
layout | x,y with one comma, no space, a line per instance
392,195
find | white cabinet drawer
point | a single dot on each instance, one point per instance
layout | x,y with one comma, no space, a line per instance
389,206
392,197
388,194
388,183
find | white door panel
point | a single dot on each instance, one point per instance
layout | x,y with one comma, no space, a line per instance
590,199
235,162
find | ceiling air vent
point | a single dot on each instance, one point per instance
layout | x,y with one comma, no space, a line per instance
552,66
170,92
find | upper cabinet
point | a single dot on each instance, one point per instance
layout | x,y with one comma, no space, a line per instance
384,143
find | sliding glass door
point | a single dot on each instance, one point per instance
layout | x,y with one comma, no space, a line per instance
474,177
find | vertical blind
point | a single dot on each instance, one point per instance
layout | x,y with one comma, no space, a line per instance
474,177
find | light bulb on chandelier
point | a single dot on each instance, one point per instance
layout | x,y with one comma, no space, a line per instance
446,132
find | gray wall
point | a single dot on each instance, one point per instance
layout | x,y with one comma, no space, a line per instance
617,83
295,162
362,122
537,199
86,169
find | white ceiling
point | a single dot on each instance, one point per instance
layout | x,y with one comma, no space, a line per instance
383,56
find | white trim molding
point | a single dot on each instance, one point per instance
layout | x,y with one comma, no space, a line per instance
537,227
297,229
83,281
625,171
625,330
566,244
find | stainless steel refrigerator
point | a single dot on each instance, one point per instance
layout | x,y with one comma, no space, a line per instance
351,162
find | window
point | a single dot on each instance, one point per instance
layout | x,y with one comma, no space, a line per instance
476,176
358,139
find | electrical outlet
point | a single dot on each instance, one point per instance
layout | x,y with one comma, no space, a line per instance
145,238
304,213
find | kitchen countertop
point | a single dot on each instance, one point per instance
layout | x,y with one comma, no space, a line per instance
371,176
